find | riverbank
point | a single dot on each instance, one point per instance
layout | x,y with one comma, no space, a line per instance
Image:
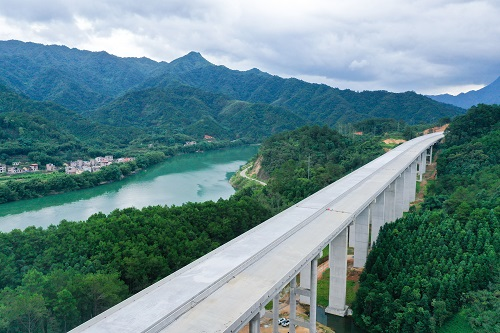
177,180
32,186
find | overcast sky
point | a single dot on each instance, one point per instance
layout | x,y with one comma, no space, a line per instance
428,46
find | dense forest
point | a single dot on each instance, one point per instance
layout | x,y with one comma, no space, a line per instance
427,265
53,279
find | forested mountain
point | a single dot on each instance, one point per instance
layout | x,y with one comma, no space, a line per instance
188,110
425,266
317,103
487,95
84,81
79,80
48,133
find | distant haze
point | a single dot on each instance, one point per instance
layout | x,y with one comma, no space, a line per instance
431,47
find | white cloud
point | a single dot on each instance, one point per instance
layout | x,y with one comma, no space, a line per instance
422,45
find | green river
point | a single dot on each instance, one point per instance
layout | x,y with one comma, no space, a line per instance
192,177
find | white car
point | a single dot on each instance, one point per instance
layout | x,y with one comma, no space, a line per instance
285,323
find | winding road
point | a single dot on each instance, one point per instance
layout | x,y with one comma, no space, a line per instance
243,174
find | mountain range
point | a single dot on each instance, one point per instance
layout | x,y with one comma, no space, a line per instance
127,100
487,95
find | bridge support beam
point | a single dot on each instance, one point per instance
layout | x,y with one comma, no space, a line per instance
430,154
377,215
399,199
338,275
362,237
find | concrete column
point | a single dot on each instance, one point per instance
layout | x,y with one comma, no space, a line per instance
352,233
377,215
389,204
338,275
408,189
413,181
399,199
255,324
305,282
362,236
276,313
314,295
424,163
293,304
430,154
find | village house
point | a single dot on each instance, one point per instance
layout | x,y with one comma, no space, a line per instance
50,167
33,167
13,170
3,168
208,138
95,164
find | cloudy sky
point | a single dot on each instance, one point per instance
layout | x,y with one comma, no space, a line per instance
428,46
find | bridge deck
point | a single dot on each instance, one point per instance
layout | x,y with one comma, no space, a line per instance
221,291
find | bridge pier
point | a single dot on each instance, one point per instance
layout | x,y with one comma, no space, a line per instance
390,198
276,312
421,165
361,237
377,215
338,275
254,325
305,283
413,181
293,304
408,189
308,293
399,197
352,233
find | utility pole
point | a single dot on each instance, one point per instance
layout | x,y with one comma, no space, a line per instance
309,166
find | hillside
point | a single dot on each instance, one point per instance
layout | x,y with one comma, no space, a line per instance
84,81
317,103
78,80
183,109
49,133
487,95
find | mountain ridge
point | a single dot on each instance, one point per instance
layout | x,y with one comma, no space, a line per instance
120,92
489,94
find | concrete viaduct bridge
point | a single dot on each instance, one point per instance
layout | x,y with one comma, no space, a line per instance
228,288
